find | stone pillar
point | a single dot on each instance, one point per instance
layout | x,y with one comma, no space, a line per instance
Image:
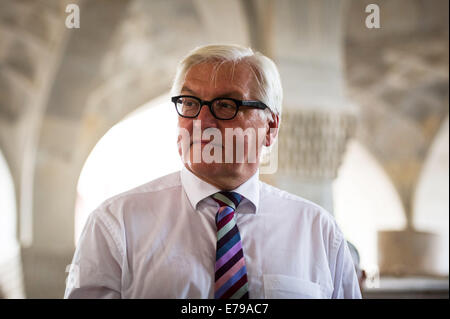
32,37
49,246
317,120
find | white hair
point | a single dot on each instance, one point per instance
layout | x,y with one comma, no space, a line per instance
270,91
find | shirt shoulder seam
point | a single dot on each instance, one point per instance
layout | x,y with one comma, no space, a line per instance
291,197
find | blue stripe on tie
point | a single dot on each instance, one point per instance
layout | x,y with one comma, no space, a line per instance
237,198
234,197
227,210
222,250
230,282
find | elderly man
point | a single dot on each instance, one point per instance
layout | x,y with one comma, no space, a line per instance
213,230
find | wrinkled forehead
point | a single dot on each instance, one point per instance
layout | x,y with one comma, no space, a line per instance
222,76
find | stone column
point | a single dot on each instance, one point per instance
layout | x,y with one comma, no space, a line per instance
317,120
49,245
32,36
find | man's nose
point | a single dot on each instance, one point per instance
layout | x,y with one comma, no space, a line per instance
205,115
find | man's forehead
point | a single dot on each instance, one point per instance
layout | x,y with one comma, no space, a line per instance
220,75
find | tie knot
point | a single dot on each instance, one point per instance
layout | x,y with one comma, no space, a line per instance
231,199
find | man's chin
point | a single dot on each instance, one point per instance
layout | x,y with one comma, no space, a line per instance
211,169
208,167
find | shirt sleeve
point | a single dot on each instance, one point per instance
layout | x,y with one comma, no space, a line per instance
96,271
346,283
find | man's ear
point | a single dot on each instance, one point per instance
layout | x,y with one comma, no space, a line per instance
272,130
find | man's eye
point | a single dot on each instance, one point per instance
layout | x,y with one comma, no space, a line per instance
226,105
189,103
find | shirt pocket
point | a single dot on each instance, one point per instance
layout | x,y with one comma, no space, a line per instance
288,287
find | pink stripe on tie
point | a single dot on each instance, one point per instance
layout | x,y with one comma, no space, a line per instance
225,221
229,254
230,273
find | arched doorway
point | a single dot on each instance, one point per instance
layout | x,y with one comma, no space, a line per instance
138,149
431,202
365,201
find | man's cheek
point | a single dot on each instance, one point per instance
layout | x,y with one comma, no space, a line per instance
183,145
183,141
180,149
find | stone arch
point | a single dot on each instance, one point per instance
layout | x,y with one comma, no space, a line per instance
31,39
77,74
365,200
140,148
49,151
431,201
403,91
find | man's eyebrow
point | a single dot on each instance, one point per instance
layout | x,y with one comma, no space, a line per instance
185,88
229,94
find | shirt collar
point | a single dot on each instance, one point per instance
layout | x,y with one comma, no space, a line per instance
196,189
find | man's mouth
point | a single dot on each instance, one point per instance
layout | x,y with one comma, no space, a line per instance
204,142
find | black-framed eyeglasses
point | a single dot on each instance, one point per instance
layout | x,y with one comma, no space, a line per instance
221,108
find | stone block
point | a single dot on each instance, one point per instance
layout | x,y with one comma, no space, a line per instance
407,253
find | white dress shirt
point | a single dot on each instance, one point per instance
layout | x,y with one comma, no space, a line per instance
159,241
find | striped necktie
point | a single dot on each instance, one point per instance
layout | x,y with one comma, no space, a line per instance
230,271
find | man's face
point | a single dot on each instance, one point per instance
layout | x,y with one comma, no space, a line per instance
207,83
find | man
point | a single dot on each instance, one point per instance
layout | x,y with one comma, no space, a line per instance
214,230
